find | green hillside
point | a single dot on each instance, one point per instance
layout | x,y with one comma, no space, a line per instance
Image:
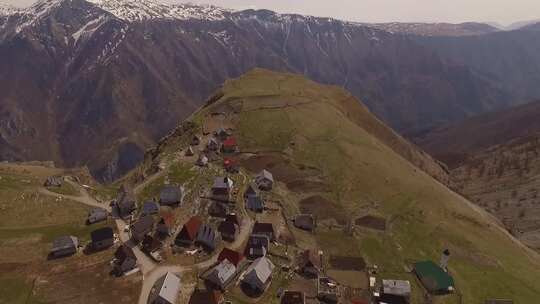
320,142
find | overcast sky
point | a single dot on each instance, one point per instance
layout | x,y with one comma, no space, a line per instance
502,11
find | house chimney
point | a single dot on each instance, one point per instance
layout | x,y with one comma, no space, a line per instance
445,256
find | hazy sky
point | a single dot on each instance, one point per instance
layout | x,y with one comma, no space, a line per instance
502,11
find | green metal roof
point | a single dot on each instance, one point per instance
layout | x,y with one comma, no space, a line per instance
434,278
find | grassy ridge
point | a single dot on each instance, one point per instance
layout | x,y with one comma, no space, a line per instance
424,216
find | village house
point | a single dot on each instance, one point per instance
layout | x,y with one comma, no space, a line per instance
150,245
258,275
171,196
231,165
264,229
126,202
232,256
327,290
305,222
102,238
167,291
189,152
252,190
206,238
212,156
64,246
218,209
213,145
206,297
187,235
124,260
195,140
150,208
395,291
221,275
310,263
222,188
293,297
255,204
434,278
229,145
264,180
228,230
97,215
202,161
54,182
141,228
257,246
165,226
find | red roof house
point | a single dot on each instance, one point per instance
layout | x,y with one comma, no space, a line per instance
189,232
230,145
232,256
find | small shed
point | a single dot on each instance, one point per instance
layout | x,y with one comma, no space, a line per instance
255,204
258,275
265,180
305,222
189,152
169,288
206,238
202,161
171,196
54,182
293,297
150,208
64,246
232,256
228,230
264,229
141,228
97,215
102,238
434,278
124,260
221,275
229,145
188,234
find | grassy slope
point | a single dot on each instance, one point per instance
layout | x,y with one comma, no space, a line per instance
329,132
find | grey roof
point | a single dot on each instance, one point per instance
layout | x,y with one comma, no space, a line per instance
252,190
65,242
101,234
126,199
259,272
223,183
222,273
54,181
255,203
170,195
150,208
266,175
170,288
304,221
143,225
397,287
98,211
206,236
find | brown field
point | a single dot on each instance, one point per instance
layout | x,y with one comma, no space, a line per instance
373,222
347,263
323,209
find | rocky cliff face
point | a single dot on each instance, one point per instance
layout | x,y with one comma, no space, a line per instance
84,80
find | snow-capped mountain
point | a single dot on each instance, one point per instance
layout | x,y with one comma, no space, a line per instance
96,82
436,29
6,10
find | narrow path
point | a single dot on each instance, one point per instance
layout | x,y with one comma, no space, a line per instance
84,199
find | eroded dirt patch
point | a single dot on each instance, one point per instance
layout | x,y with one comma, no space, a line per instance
323,209
373,222
347,263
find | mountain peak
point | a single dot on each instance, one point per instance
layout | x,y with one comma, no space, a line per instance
139,10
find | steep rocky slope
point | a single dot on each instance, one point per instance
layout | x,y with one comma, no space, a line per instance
333,158
96,83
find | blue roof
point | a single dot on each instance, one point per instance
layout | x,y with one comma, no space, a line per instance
150,207
255,203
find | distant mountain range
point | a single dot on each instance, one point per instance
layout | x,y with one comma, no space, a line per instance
97,82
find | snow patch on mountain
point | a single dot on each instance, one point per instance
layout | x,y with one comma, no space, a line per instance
139,10
6,10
